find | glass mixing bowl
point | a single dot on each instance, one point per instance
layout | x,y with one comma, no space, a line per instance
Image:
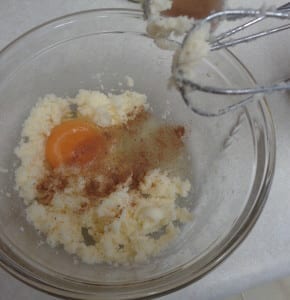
231,166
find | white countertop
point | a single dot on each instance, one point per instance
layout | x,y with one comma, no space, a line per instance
265,254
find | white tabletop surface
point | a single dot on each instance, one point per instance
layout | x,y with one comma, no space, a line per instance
265,254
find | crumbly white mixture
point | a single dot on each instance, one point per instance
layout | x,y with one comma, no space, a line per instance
107,110
162,27
48,112
157,6
130,237
159,27
195,48
129,81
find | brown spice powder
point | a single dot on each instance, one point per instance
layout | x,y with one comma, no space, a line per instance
134,148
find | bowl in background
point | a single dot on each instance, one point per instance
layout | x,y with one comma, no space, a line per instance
231,163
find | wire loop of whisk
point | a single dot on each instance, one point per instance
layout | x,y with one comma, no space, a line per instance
225,40
217,43
221,91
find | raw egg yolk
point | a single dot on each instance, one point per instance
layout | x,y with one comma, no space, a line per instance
74,142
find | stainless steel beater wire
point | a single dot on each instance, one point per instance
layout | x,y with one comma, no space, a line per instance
232,15
221,111
221,91
220,45
284,7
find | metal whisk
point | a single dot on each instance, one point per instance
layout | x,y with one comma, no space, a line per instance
226,40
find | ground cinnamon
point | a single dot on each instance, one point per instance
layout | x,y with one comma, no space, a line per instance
135,148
